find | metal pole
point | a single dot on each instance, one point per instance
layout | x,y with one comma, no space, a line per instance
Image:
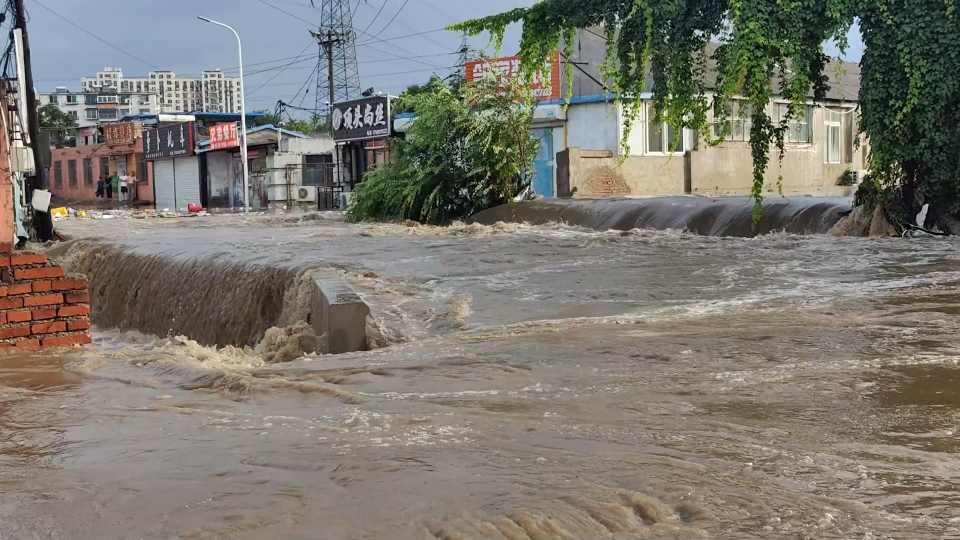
42,221
243,118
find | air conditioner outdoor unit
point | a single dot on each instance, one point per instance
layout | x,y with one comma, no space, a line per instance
345,201
306,194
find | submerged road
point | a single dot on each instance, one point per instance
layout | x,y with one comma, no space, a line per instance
537,382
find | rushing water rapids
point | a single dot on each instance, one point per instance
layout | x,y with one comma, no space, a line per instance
540,381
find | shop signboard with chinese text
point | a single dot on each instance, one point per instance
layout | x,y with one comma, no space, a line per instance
120,133
360,119
224,136
544,87
169,141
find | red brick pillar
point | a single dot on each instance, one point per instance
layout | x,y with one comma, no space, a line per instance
39,306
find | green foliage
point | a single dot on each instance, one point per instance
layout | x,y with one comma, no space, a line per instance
268,118
848,178
405,101
909,97
56,122
465,152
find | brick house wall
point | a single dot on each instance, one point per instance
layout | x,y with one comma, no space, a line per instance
99,155
39,305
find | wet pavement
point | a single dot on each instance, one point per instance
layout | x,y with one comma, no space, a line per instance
538,382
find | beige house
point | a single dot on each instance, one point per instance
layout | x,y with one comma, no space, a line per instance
820,147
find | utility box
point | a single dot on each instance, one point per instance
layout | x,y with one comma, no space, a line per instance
341,314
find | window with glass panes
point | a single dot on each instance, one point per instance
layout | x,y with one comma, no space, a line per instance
663,138
798,128
833,136
738,121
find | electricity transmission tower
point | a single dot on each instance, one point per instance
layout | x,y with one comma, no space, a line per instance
337,76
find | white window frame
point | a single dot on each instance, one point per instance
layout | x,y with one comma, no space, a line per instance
92,114
780,111
832,132
666,141
745,122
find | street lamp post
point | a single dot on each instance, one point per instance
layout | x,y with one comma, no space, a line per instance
243,118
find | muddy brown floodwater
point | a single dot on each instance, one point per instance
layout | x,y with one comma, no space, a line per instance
540,382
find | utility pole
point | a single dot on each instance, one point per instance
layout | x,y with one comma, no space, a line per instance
42,221
327,42
337,39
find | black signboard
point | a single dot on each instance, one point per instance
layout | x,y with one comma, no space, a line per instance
169,141
365,118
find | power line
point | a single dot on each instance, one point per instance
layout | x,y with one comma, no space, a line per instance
383,5
309,77
405,2
285,66
264,2
91,34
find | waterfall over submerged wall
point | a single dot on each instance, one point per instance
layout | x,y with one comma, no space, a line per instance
707,217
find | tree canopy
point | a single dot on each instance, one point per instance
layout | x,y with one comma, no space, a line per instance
909,106
57,123
466,151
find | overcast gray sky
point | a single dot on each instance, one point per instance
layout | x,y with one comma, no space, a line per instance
168,35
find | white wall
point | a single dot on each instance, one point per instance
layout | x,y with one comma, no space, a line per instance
593,126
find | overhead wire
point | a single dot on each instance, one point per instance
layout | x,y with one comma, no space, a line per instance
405,2
91,34
285,66
375,17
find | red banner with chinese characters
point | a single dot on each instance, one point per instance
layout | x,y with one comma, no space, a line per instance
509,68
224,136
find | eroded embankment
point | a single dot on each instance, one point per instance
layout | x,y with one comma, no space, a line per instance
213,302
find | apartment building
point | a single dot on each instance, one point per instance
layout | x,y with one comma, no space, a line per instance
92,108
210,91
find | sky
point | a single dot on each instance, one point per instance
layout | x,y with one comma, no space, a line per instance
167,35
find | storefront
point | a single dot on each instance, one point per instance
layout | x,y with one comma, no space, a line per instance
360,130
176,168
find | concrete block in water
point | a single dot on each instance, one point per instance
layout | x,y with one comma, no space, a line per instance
339,313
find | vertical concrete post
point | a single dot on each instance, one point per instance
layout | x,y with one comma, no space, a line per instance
339,313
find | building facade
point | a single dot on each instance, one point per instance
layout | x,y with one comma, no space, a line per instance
95,107
210,91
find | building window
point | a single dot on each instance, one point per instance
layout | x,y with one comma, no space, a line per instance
143,173
663,138
798,129
74,114
104,167
91,114
58,174
87,172
72,99
833,135
90,99
124,112
739,123
144,111
72,172
317,170
53,99
108,114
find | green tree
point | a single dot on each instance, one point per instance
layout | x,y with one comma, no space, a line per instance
56,122
464,153
268,118
298,125
909,94
404,102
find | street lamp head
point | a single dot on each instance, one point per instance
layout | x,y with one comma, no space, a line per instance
204,19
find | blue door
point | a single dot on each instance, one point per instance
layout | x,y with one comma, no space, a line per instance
543,163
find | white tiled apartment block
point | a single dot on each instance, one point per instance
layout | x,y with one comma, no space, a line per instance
211,91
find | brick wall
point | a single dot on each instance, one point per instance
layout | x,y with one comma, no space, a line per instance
39,306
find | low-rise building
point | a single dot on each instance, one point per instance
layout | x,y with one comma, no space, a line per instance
286,169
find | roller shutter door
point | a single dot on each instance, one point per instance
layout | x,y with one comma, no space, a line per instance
187,185
164,184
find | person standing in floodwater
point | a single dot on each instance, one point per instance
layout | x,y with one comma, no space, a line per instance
100,188
114,185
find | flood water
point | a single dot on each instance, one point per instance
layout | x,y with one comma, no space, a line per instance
538,382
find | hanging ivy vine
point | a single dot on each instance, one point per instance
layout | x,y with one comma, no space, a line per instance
909,95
